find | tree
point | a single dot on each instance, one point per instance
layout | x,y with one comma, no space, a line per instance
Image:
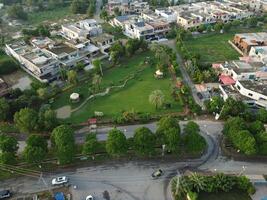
79,66
8,144
172,140
215,104
116,144
36,149
63,140
245,142
256,127
197,181
218,27
98,66
156,98
232,108
143,141
97,79
72,77
91,8
116,51
194,142
191,127
47,118
164,127
104,15
26,120
8,149
91,144
79,6
43,93
262,115
227,27
4,109
16,11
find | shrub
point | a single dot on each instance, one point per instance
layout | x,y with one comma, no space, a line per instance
7,66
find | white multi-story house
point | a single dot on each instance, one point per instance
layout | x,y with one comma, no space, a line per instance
104,42
82,29
35,61
168,14
256,90
148,30
196,14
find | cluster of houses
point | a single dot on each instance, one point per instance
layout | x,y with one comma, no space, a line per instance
154,25
44,57
245,79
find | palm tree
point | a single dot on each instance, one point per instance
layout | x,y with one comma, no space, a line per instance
156,98
198,182
98,66
97,79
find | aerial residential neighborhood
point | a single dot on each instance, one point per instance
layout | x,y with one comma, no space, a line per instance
133,99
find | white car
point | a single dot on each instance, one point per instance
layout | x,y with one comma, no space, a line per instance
60,180
90,197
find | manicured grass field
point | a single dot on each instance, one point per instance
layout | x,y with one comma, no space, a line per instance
214,47
134,96
233,195
47,15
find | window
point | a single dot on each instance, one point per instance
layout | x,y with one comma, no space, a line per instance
238,87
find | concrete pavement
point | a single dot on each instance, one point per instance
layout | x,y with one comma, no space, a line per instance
125,181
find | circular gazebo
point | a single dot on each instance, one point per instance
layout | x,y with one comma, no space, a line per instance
75,97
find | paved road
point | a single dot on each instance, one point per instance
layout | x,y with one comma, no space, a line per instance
186,77
125,181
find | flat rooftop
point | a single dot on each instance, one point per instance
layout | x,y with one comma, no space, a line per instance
102,38
253,38
240,66
61,48
257,86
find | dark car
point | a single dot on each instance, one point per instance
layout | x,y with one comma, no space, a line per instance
157,173
5,194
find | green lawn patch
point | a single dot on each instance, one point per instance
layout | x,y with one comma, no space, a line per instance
134,96
55,14
233,195
214,47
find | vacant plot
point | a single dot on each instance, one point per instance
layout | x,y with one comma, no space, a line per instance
214,47
133,96
233,195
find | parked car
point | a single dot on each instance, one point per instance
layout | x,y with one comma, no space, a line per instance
157,173
60,180
89,197
4,194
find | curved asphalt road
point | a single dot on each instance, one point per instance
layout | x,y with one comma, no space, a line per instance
125,181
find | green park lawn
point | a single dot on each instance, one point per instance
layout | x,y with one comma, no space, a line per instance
233,195
134,96
214,47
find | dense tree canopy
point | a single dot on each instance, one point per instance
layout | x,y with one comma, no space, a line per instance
144,141
26,120
36,149
91,144
116,144
63,140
